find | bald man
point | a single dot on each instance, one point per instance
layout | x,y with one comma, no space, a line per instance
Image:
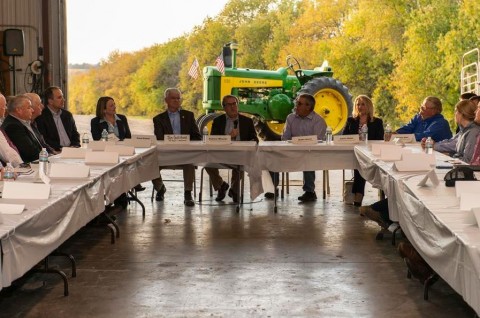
37,107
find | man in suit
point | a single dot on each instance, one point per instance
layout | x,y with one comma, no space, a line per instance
178,122
37,107
56,124
239,127
17,127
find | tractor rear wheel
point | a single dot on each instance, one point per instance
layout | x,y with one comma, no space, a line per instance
333,101
268,130
206,120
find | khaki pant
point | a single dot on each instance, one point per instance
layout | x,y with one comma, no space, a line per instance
188,177
217,180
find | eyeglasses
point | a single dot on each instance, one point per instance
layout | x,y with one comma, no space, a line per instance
424,108
231,104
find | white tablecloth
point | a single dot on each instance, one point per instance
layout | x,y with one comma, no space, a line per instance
45,224
445,236
241,153
280,156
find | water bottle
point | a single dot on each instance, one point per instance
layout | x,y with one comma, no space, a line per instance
105,135
85,140
388,133
204,134
9,174
429,146
43,161
329,135
364,134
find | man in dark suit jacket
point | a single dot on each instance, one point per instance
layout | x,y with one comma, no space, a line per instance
17,127
56,124
179,122
240,128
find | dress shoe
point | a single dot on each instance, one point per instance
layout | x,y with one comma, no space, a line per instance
188,199
222,192
373,215
271,195
139,188
233,195
308,197
161,194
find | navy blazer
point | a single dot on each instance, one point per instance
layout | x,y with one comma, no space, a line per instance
162,125
25,141
247,129
96,127
375,128
48,129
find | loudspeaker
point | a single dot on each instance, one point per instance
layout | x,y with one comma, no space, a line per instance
13,42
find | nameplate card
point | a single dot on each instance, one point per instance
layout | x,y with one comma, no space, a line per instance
66,171
392,154
377,148
305,140
11,208
346,139
476,214
177,139
403,138
28,191
137,143
99,145
218,140
432,176
73,153
469,201
411,165
101,158
466,187
415,162
122,150
151,138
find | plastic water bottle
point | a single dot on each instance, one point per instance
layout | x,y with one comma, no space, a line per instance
43,161
329,135
364,134
388,133
9,174
429,146
204,134
85,140
105,135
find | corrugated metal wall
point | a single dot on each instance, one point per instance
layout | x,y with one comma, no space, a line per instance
33,17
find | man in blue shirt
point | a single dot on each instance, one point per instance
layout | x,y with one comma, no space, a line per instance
304,122
429,122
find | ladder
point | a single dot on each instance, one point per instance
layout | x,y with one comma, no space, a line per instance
470,76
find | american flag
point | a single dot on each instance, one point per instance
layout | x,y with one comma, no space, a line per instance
220,65
194,69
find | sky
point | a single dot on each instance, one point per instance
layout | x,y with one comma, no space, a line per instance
97,27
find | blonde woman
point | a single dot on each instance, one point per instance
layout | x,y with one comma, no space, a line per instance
363,114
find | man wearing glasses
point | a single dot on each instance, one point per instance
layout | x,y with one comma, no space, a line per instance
239,128
429,122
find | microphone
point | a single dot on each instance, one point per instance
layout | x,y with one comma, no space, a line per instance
235,124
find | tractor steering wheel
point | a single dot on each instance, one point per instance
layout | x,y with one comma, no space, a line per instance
291,62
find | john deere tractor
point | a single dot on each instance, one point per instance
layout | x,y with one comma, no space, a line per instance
268,96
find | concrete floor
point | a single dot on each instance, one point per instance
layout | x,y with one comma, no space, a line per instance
311,260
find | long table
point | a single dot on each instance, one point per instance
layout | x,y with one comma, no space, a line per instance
28,238
431,218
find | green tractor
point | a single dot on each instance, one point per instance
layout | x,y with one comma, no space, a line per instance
268,96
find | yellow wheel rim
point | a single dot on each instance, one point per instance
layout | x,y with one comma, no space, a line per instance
332,106
275,127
